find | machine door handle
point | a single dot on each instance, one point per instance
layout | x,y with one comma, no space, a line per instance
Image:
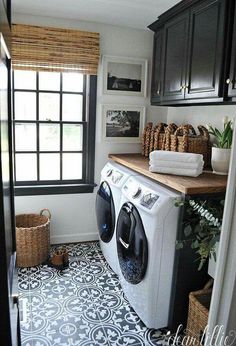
15,299
123,243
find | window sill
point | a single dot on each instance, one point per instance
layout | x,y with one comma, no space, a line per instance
53,189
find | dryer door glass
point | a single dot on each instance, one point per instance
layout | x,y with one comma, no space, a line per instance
105,212
132,246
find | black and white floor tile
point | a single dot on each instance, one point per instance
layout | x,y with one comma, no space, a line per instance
81,306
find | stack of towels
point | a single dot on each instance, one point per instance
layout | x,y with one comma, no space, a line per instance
170,162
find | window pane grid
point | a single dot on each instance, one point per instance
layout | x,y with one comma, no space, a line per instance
72,127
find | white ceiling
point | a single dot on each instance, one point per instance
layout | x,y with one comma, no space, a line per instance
128,13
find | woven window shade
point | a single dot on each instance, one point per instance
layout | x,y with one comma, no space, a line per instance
54,49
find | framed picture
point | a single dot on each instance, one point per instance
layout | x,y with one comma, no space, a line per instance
123,123
124,76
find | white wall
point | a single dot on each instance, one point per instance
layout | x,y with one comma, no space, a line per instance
197,115
73,216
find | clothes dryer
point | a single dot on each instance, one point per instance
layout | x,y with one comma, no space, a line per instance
146,236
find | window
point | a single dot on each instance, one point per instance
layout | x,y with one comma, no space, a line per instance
54,130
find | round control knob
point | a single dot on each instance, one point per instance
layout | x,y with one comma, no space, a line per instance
109,172
137,193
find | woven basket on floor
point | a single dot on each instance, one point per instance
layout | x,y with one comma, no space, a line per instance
199,304
32,238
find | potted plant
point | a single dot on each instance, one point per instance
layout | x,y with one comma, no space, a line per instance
202,227
221,149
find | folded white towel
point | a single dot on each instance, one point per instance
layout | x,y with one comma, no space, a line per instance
175,156
176,164
176,171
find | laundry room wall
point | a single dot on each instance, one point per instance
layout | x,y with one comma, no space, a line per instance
73,215
203,115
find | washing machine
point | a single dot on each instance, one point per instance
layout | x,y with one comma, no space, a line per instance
113,177
146,237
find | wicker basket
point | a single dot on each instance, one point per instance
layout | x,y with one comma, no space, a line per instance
158,136
170,130
152,138
199,304
32,238
185,140
146,139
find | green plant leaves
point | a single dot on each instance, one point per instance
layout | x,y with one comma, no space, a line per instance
188,230
224,138
201,230
179,245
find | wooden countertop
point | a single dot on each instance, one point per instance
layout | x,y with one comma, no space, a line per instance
204,184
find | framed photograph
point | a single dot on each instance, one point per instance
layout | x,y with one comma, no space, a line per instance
123,123
124,76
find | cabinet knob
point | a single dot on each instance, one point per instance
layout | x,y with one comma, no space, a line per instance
186,87
182,87
228,81
158,92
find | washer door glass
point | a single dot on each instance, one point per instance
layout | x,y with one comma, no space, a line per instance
105,212
132,246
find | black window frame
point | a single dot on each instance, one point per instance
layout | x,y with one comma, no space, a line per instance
84,185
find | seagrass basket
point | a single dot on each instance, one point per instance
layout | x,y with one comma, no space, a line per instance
186,140
158,137
146,138
169,131
152,138
199,304
32,238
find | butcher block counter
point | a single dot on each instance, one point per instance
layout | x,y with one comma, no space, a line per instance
206,183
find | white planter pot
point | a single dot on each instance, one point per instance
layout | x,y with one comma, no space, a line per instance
220,160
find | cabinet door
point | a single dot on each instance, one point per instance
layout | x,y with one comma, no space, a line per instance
174,58
231,81
156,89
206,50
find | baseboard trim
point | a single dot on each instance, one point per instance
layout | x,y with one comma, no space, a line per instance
73,238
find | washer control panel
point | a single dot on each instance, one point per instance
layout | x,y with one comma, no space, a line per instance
116,177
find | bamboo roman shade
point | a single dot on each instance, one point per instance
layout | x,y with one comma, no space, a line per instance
54,49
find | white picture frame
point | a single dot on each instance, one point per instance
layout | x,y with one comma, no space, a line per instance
124,76
123,123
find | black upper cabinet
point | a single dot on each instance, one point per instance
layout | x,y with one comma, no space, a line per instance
195,53
156,88
231,78
174,58
206,50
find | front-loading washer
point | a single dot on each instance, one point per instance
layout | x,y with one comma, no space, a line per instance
113,177
146,237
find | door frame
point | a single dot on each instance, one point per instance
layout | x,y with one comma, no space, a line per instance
223,308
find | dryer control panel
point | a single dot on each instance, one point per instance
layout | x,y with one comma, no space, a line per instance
139,194
149,199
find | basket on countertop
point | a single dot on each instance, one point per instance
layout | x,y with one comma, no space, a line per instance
186,140
199,304
32,238
152,138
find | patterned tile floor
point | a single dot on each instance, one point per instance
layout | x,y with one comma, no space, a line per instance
83,305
